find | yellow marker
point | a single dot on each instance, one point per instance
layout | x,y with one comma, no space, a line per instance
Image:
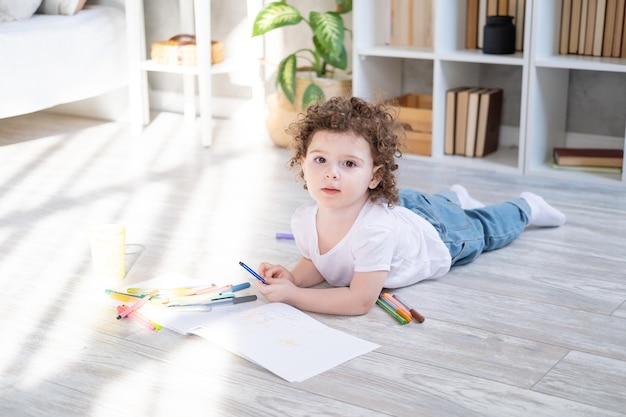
121,296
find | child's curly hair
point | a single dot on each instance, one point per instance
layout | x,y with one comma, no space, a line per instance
373,121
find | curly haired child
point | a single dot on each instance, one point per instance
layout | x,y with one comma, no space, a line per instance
360,233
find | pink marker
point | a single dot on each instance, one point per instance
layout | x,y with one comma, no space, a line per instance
135,315
137,305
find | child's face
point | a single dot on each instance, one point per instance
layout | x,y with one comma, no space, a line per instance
339,169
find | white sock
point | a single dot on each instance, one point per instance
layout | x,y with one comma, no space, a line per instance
541,213
467,202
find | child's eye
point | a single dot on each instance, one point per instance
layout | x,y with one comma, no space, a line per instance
350,164
320,159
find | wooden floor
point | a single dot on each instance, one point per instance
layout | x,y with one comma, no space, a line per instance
535,329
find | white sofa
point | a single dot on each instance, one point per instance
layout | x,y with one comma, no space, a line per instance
49,60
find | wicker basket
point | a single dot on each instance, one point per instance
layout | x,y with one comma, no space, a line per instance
181,50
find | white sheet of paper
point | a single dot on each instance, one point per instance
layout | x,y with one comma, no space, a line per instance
276,336
284,340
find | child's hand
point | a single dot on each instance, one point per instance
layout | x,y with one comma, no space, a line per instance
267,270
278,289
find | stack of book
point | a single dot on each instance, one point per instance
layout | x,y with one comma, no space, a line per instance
476,18
589,159
473,116
593,27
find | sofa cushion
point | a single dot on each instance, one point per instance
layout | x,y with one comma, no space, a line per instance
11,10
66,7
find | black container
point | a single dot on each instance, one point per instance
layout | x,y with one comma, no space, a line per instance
499,35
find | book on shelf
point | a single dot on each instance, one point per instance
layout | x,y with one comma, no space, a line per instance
623,46
411,23
618,29
471,24
590,169
598,29
400,20
482,21
574,26
609,27
590,27
462,102
512,9
450,128
472,122
503,7
421,24
589,157
566,16
520,21
492,7
582,33
489,118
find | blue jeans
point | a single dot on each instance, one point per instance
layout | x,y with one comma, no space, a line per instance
468,233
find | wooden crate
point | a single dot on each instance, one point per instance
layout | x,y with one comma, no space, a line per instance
416,114
419,143
416,110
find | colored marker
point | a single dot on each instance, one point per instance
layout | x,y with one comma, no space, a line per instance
236,300
284,236
399,307
417,316
195,299
120,296
257,276
396,307
174,291
219,290
139,317
210,290
391,311
137,305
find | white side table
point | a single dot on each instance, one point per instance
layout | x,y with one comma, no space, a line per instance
195,16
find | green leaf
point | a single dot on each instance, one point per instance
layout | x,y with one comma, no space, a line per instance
275,15
312,95
286,77
328,29
340,61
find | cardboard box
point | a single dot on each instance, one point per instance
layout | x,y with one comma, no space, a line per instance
416,114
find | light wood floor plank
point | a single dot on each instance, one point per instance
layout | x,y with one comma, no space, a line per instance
565,327
579,377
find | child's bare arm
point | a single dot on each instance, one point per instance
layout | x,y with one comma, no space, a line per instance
356,299
306,274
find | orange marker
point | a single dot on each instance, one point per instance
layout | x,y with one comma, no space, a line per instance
404,313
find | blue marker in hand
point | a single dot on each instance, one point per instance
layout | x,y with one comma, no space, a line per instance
257,276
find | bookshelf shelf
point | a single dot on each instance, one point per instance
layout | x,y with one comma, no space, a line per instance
397,52
540,86
474,55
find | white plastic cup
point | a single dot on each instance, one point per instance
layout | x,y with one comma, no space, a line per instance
108,251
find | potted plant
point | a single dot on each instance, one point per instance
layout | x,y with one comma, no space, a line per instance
326,54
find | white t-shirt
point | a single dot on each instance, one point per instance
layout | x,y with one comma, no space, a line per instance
381,239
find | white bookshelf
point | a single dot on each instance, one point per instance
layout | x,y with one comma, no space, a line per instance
540,73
